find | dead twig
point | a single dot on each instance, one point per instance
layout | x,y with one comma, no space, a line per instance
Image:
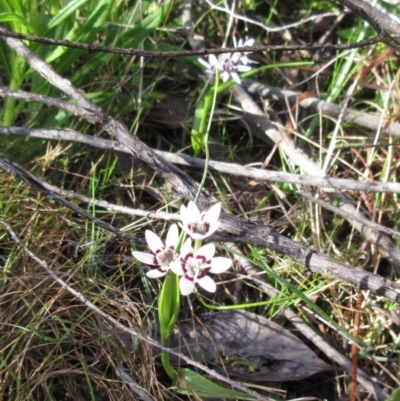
367,120
377,19
348,215
381,37
223,167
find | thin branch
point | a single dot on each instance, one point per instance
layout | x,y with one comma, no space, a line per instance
375,18
142,394
222,167
267,28
49,101
355,117
55,193
183,184
184,53
347,215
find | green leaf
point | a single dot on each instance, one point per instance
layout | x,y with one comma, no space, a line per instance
66,12
198,131
168,306
191,382
11,17
132,37
87,33
43,336
168,311
201,115
395,395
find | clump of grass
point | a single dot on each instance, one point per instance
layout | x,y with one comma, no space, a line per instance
55,348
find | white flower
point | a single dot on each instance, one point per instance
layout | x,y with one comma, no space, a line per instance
240,56
226,65
213,66
200,225
194,266
229,68
162,255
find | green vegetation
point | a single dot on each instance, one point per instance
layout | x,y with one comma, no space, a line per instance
53,346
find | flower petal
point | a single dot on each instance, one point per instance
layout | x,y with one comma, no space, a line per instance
213,60
186,286
172,236
156,273
249,42
177,268
211,230
225,76
186,249
183,211
236,78
153,241
243,68
220,264
211,217
213,213
196,236
146,258
236,57
205,64
206,251
193,212
207,283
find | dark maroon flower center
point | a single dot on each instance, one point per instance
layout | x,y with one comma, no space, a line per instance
164,257
199,227
195,268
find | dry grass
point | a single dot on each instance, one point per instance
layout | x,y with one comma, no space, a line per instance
52,345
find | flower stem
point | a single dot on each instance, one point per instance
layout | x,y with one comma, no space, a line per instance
212,111
168,311
197,244
167,365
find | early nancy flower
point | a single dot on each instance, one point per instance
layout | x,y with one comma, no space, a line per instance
213,65
194,266
200,225
240,56
229,68
226,64
163,254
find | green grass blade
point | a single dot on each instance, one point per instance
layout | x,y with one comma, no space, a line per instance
192,383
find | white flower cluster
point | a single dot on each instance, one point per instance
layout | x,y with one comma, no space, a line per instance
228,65
192,265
